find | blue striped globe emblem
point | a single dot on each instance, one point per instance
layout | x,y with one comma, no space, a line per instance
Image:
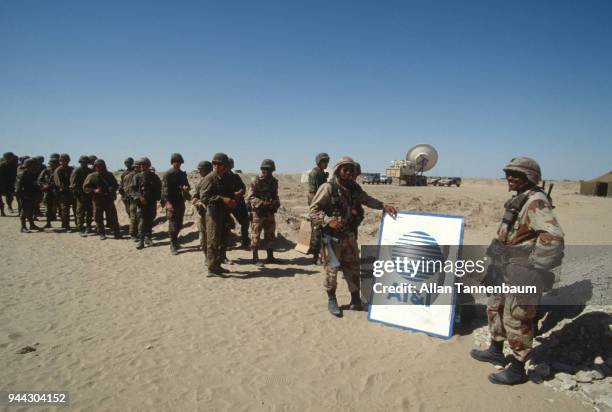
419,247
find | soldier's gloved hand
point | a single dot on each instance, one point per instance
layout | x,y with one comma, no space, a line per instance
391,210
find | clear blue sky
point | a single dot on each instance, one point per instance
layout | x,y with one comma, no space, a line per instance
482,81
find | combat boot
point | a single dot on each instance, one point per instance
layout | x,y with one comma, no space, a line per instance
512,375
141,244
256,260
356,303
316,259
117,234
2,212
24,229
34,227
148,241
332,303
102,232
48,225
213,273
173,248
494,354
270,258
83,233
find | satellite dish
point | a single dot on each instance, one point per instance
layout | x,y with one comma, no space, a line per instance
424,156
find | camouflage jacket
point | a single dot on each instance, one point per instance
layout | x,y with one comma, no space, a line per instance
335,201
214,188
316,178
197,197
104,180
535,233
262,189
8,176
172,182
77,178
125,182
26,185
45,181
61,178
147,185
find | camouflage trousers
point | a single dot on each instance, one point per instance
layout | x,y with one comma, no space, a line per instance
132,212
27,210
267,225
84,211
105,206
216,233
346,260
315,239
511,320
145,215
202,231
65,202
51,206
175,219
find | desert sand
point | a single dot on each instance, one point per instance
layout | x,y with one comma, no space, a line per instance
122,329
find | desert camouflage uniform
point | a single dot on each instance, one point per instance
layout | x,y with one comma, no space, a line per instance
131,207
316,178
537,237
104,202
61,179
214,188
172,182
261,189
147,185
45,181
334,201
201,208
84,203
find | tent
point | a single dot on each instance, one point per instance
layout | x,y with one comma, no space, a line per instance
600,186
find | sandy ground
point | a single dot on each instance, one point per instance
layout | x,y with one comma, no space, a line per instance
122,329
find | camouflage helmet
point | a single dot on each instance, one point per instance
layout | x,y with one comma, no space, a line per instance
8,155
100,162
357,169
64,156
529,167
176,157
321,157
40,159
344,160
220,158
268,164
54,156
230,163
205,165
143,161
53,162
129,162
30,162
92,158
84,159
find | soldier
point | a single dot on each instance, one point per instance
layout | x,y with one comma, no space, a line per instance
217,194
131,208
45,181
8,175
145,192
84,206
529,243
92,160
61,180
240,212
39,167
263,200
102,186
26,186
204,168
334,209
316,178
175,190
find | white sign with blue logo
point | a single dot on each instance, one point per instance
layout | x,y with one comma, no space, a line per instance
426,238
